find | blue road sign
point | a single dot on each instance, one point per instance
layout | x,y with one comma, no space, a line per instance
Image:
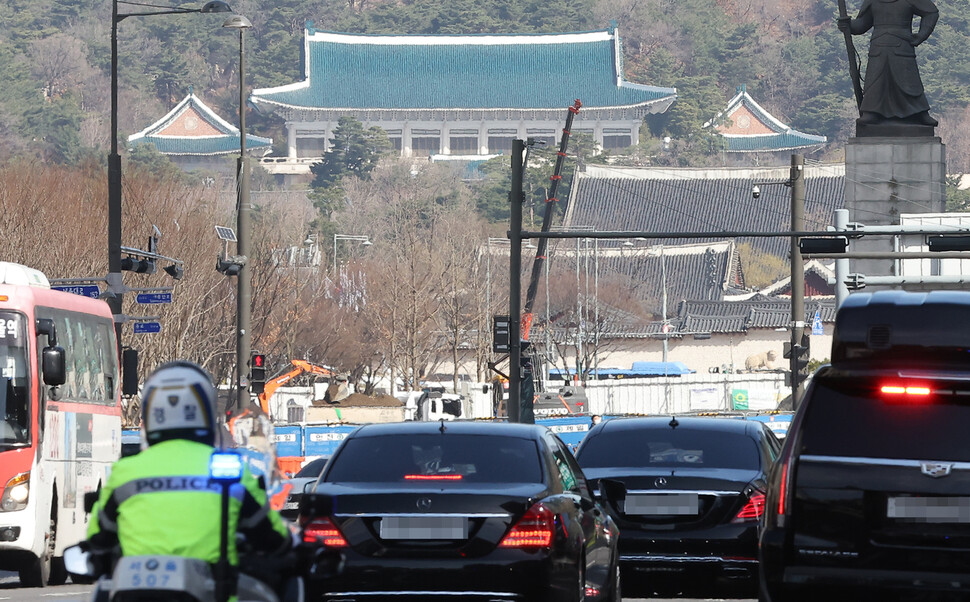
85,290
147,327
154,297
817,324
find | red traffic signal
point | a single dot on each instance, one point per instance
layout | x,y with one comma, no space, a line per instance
259,360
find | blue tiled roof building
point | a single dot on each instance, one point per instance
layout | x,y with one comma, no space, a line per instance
462,94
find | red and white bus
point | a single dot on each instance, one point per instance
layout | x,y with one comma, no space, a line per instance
60,419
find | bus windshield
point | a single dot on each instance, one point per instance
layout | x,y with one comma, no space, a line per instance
14,381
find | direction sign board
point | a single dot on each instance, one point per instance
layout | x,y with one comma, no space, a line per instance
153,298
85,290
501,333
147,327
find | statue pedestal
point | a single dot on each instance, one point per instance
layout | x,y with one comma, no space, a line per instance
887,176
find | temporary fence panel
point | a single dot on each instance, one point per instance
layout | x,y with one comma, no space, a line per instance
570,429
688,393
289,440
322,440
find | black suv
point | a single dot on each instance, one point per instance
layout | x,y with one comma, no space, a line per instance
870,498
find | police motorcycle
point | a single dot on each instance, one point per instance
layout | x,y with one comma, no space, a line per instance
157,578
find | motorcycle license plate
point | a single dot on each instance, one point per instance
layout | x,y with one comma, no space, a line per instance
150,572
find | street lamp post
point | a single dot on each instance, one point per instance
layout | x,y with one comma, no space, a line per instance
362,239
116,288
244,281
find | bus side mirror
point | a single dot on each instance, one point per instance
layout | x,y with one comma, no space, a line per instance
54,370
52,357
129,372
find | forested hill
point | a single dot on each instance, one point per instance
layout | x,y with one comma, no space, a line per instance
55,61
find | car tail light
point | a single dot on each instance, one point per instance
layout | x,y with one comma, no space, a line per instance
534,530
784,485
753,510
322,530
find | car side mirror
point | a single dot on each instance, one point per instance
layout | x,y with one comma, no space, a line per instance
90,499
77,561
613,491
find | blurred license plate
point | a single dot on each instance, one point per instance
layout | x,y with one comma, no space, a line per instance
662,504
424,527
929,509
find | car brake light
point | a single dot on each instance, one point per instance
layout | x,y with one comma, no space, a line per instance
432,477
898,390
753,509
322,530
534,529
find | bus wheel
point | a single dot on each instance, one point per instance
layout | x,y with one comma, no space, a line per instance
37,573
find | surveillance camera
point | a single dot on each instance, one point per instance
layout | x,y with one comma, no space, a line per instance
755,191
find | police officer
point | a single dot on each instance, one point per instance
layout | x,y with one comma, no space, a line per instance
160,501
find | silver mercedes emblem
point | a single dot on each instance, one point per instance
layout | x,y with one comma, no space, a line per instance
935,469
660,482
424,503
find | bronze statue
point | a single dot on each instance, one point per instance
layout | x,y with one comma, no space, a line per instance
893,92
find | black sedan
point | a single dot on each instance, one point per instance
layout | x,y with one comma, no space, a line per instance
460,510
687,494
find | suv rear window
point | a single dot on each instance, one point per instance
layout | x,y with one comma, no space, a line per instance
437,458
666,447
856,418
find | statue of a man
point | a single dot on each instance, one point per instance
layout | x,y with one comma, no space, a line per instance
893,89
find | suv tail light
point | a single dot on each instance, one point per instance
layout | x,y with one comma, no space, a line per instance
534,530
784,485
324,531
753,510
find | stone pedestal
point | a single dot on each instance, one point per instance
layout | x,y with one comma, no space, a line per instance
886,176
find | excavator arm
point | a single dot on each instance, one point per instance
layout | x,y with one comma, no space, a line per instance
299,367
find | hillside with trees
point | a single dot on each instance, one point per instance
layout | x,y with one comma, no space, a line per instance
55,60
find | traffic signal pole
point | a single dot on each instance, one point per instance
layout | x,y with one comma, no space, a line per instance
797,181
516,197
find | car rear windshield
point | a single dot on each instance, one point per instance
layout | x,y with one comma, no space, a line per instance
888,418
667,447
440,459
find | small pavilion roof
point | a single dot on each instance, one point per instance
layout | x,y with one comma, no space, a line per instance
748,128
346,71
192,128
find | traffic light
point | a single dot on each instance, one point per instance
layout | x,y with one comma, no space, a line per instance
139,266
798,357
257,373
802,357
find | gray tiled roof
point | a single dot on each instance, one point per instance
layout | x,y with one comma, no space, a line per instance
739,316
682,204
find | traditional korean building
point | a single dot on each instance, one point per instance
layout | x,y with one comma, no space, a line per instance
748,129
194,137
467,95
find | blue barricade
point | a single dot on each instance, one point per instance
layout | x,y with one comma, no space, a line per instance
570,429
289,440
323,440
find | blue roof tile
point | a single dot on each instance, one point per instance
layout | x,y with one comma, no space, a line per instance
354,71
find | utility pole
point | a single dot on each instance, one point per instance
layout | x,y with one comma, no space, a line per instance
515,283
244,294
797,183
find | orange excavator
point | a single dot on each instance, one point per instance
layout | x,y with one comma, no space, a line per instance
299,367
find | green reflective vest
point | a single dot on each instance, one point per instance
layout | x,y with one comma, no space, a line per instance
161,501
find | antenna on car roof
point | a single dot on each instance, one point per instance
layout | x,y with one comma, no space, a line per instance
673,422
442,427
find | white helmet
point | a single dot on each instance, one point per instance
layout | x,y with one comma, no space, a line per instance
177,403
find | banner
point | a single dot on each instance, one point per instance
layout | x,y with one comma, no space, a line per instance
705,398
754,399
